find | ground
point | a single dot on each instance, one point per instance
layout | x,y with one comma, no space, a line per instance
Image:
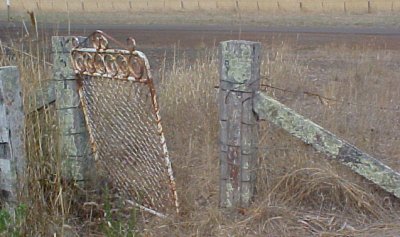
340,70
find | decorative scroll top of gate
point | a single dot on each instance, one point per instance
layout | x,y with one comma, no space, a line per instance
122,117
103,61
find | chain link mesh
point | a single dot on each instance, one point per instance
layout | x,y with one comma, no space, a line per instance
122,116
127,144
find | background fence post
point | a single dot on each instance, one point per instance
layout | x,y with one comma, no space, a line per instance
74,139
369,6
8,9
12,142
239,78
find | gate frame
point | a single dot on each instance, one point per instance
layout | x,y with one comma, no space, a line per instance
70,98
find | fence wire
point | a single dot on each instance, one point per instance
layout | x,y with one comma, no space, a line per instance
122,117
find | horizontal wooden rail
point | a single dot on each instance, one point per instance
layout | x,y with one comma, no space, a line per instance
324,141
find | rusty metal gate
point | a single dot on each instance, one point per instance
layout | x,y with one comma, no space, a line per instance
122,115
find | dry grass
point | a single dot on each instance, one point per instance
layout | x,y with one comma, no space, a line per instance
299,192
47,202
332,6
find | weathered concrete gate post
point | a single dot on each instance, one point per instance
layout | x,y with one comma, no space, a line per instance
74,139
12,137
239,79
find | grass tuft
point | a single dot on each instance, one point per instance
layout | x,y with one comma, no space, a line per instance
350,91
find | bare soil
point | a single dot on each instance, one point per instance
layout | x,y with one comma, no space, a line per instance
159,40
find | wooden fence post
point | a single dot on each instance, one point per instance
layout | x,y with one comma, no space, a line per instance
12,142
239,78
74,139
8,9
369,6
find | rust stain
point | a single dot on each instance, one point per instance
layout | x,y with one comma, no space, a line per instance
126,64
102,61
233,166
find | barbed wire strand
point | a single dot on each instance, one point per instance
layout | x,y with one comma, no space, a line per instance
24,53
322,98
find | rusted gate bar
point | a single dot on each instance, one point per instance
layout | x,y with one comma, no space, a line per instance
12,146
326,142
74,139
123,120
239,78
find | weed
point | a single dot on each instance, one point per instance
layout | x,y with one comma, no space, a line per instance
118,221
12,223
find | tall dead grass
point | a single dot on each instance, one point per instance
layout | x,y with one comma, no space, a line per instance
299,192
350,91
50,198
40,126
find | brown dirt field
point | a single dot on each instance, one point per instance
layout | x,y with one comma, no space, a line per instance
159,40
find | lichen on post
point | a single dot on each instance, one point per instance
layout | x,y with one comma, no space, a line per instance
326,142
239,69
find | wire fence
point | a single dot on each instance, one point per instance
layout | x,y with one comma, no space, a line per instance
323,99
349,91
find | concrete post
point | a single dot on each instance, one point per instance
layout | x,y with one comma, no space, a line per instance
239,78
